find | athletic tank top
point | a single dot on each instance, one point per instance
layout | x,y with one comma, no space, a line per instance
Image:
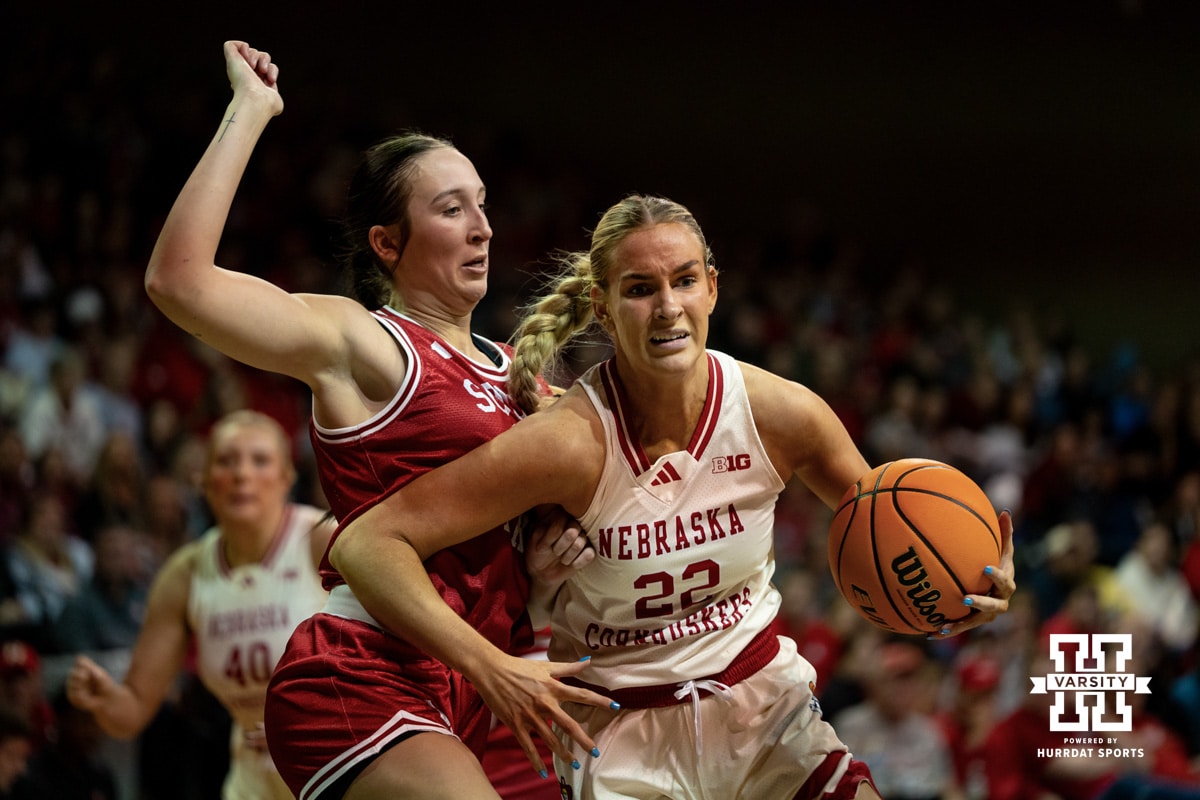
242,616
684,557
447,405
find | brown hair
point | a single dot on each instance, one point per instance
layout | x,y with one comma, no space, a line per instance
379,193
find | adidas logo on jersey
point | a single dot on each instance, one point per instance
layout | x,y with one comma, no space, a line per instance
665,475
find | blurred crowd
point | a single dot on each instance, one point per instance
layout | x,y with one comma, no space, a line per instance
105,407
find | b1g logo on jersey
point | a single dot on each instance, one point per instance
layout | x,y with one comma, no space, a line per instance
1091,684
730,463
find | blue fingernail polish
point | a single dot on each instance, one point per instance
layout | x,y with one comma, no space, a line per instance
543,774
575,765
615,706
968,601
595,752
944,631
988,570
589,658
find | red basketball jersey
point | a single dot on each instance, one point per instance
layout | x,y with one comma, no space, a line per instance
447,405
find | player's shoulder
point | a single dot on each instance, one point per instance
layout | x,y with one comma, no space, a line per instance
307,517
571,412
187,556
173,582
566,431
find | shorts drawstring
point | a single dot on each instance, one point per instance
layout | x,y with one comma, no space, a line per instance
693,688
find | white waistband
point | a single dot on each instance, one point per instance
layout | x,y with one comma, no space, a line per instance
342,603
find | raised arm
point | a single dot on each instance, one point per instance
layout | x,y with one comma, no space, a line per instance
124,709
248,319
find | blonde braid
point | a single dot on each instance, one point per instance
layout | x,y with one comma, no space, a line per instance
547,325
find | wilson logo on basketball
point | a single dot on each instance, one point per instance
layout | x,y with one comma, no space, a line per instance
911,575
730,463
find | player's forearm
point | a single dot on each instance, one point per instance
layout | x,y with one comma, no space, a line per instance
188,242
390,581
122,714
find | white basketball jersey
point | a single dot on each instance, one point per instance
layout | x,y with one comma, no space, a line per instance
242,618
684,556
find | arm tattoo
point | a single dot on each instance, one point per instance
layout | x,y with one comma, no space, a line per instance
228,122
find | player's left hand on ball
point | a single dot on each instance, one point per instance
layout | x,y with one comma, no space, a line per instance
986,607
558,548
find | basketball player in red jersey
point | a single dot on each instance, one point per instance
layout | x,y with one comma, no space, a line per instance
354,711
672,457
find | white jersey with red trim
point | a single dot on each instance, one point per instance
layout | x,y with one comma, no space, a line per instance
241,618
684,557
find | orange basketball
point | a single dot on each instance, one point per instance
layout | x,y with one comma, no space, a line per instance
909,540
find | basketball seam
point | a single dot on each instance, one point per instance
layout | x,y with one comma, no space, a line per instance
879,573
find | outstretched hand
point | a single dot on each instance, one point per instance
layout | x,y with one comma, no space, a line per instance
252,71
526,695
987,607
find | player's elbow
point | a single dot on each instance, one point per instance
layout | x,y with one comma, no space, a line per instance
359,544
123,723
164,288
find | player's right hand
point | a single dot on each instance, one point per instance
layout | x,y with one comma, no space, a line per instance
88,684
252,71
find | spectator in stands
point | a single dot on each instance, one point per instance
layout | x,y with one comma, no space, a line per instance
893,729
1156,592
969,720
61,415
16,746
23,691
108,613
47,566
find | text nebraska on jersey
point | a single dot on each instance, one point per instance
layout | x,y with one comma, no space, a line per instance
663,536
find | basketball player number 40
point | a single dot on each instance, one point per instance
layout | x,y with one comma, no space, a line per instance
254,658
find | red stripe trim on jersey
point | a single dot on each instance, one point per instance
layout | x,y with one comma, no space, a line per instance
490,370
853,773
495,371
711,411
756,655
273,550
388,734
281,536
408,387
635,456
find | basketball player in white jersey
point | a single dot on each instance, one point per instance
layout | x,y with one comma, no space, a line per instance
237,593
672,457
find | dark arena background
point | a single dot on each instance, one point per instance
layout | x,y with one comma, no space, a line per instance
971,227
